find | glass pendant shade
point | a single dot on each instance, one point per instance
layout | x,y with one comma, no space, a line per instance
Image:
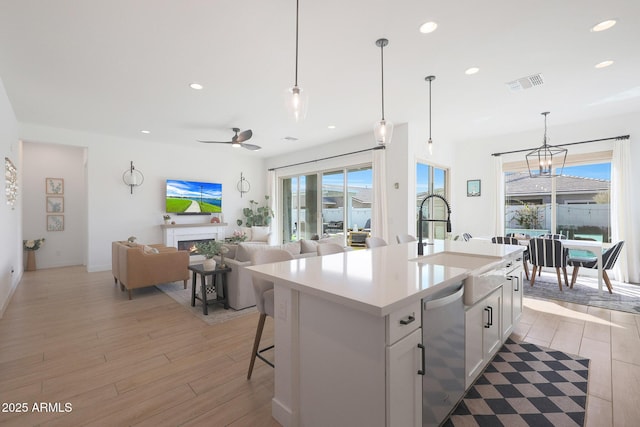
383,131
297,102
548,160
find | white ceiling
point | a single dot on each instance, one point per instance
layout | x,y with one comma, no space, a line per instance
116,67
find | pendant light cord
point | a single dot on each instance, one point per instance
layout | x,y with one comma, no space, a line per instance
297,18
545,128
382,73
430,109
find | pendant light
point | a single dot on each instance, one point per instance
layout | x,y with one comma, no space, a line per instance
430,141
383,129
541,160
296,97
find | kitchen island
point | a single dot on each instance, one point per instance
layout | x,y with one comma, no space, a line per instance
348,329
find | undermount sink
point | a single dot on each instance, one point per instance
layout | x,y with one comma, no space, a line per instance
485,272
459,260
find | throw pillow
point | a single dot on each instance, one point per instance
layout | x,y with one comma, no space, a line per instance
246,250
247,232
260,234
292,247
308,246
149,250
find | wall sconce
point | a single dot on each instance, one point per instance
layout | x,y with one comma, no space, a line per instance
11,178
132,177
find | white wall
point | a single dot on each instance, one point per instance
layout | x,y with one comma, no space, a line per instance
10,219
41,161
115,214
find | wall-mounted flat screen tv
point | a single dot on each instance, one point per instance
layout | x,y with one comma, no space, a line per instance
191,197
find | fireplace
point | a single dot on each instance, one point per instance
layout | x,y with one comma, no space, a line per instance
189,245
174,233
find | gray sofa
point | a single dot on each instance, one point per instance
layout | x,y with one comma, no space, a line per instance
239,280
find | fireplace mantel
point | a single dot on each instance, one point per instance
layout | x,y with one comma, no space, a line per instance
173,233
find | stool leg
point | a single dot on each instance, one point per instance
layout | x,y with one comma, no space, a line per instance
256,343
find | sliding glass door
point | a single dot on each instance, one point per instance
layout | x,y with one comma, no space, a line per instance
299,207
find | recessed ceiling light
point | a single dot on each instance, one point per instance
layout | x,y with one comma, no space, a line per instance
331,126
428,27
604,64
196,86
604,25
145,131
472,70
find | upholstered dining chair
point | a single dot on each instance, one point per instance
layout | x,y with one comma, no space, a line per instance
263,290
609,258
466,237
329,248
548,253
374,242
553,236
513,241
405,238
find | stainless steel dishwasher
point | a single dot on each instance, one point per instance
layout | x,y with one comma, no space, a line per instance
444,346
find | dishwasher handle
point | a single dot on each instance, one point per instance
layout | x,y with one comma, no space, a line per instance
448,299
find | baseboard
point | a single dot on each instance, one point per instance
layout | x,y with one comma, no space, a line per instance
281,413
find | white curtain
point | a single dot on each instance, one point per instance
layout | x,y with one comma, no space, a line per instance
498,195
379,217
272,191
625,269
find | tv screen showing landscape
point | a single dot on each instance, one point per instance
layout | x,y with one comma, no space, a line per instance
193,197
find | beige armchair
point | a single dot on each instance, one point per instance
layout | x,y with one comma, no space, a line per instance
139,266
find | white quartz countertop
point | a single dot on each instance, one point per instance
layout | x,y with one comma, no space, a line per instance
378,280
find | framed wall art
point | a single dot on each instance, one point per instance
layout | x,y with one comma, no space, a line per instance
55,204
54,185
473,188
55,222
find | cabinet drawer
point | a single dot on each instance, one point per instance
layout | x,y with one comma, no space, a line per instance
402,322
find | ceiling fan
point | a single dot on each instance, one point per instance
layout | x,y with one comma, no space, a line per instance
238,140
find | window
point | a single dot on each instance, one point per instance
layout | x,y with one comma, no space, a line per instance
576,204
431,180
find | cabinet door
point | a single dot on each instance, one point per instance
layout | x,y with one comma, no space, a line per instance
517,295
492,312
474,354
507,307
404,383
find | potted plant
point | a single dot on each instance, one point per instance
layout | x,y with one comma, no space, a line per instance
31,246
238,236
167,218
257,215
209,250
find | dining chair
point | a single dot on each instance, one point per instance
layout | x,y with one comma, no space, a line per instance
374,242
609,258
405,238
513,241
263,290
329,248
553,236
548,253
466,237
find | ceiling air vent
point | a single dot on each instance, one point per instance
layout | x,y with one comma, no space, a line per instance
290,139
526,83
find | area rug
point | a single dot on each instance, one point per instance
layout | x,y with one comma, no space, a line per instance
217,313
526,385
625,297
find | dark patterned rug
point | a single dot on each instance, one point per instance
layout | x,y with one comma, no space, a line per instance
625,297
526,385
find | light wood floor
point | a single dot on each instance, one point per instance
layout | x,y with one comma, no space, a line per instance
71,336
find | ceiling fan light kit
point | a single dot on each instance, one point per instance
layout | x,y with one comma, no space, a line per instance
382,129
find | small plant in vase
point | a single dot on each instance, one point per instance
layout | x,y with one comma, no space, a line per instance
209,250
167,219
238,236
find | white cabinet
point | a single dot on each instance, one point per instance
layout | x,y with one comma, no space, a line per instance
404,383
482,334
512,301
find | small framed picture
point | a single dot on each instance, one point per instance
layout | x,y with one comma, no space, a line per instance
55,204
473,188
54,185
55,222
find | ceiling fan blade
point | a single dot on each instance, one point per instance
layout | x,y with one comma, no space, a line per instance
245,135
215,142
251,147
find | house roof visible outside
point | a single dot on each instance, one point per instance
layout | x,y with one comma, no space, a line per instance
521,184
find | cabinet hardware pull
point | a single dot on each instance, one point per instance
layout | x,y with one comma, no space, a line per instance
407,320
517,279
488,325
421,371
490,316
